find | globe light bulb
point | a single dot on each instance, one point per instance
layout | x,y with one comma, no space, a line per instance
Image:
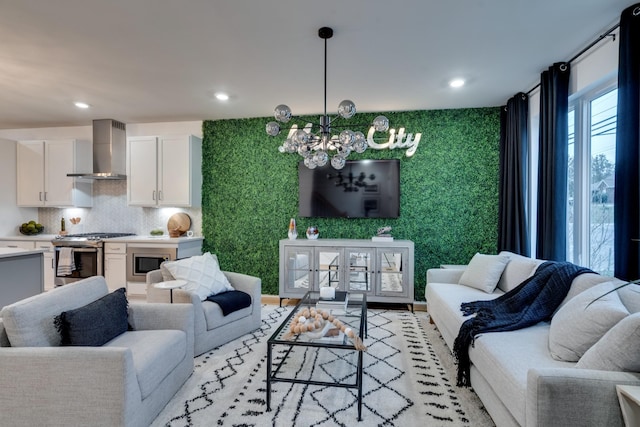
381,124
273,128
347,109
282,113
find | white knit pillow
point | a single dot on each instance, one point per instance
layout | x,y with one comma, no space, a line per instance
202,274
484,271
582,321
617,350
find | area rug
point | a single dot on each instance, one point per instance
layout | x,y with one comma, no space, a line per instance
405,382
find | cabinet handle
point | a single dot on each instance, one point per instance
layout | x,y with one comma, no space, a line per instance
45,196
153,196
159,195
40,196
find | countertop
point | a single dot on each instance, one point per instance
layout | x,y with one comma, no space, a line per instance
155,239
15,252
128,239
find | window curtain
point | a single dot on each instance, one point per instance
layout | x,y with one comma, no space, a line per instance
626,198
551,238
513,233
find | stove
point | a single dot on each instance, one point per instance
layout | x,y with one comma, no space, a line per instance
78,256
86,240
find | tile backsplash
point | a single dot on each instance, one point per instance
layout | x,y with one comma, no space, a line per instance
110,213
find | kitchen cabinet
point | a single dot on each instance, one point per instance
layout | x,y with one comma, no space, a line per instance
115,265
382,270
164,171
47,261
42,168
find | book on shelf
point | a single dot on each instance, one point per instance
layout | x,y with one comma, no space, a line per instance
382,239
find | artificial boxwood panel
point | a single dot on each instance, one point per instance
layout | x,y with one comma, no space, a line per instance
448,205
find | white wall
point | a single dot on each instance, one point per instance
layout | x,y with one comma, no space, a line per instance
11,215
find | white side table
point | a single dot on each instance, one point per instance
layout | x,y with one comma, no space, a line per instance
171,285
629,397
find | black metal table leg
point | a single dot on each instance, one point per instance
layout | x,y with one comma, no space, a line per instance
268,377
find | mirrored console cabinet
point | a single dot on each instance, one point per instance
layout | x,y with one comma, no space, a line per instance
382,270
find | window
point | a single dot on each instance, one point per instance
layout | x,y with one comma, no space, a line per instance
591,185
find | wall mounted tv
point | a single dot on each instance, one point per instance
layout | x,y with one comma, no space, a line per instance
362,189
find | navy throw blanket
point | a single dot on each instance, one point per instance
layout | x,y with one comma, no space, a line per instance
532,301
231,301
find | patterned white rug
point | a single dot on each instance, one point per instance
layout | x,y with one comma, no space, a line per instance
404,382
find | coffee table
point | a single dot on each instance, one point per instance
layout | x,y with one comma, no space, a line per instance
355,316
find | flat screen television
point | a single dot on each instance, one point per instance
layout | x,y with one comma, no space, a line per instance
362,189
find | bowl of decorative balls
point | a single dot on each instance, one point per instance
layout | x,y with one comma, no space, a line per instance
31,228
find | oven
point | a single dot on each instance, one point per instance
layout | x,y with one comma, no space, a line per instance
143,259
79,256
87,262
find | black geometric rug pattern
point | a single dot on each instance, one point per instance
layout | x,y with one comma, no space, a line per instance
404,382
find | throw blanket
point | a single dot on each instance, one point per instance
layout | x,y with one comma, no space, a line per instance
532,301
231,301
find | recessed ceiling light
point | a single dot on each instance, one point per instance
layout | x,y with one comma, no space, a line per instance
456,83
221,96
81,104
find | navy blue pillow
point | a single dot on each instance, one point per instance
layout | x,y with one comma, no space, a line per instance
96,323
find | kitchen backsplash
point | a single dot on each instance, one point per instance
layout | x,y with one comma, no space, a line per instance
110,213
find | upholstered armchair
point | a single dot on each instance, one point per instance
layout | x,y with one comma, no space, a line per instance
126,381
212,327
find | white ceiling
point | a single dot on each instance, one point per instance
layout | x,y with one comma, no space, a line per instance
141,61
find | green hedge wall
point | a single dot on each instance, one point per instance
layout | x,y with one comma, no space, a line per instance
449,192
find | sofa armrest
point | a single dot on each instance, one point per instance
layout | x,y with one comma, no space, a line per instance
245,283
163,316
575,397
66,385
444,275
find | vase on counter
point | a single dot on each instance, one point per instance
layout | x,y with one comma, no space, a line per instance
293,232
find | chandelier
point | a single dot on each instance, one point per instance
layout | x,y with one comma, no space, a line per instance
316,147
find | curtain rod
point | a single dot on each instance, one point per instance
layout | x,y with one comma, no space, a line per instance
583,51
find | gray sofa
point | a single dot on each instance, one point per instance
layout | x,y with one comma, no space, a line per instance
125,382
513,373
211,327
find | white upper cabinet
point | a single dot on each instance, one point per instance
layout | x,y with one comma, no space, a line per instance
42,168
164,171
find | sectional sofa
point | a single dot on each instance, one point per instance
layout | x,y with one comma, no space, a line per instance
561,372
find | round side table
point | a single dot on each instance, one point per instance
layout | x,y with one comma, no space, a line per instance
171,285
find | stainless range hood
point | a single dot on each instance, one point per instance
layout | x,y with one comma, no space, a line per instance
109,151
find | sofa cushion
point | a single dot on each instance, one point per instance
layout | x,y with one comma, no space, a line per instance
518,269
484,271
617,350
202,274
29,322
583,321
155,354
443,303
95,323
504,359
582,283
215,317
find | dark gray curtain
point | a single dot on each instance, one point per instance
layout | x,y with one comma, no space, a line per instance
513,233
626,199
551,237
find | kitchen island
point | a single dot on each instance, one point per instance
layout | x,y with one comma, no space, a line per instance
21,274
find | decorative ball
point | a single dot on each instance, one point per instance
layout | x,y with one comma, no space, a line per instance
302,319
296,329
325,315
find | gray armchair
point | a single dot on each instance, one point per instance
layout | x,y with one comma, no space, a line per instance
211,327
125,382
